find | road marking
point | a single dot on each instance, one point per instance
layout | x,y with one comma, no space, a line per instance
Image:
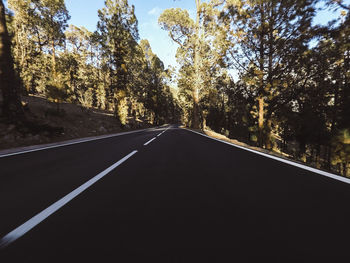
305,167
163,131
71,143
37,219
150,141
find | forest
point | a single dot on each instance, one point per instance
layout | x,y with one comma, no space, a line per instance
258,71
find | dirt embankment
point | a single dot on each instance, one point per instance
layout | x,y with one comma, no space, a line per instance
47,124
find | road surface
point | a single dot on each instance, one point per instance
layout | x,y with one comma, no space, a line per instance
167,195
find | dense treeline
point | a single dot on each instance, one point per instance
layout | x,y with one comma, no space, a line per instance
259,71
106,69
291,88
10,104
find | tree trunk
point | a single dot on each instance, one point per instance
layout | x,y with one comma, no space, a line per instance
196,111
195,93
261,78
261,121
53,58
329,157
302,150
268,134
12,107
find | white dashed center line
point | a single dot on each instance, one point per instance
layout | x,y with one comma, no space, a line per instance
150,141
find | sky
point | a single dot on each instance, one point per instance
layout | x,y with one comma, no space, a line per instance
84,13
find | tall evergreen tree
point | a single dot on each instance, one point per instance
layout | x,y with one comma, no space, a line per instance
183,30
117,33
267,38
39,30
11,105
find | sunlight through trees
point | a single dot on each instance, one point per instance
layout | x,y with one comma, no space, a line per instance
259,71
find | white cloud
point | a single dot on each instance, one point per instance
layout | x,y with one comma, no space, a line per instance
155,11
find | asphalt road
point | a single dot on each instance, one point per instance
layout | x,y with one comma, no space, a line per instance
180,198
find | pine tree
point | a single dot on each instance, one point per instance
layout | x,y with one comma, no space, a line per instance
11,105
199,52
267,38
39,29
117,33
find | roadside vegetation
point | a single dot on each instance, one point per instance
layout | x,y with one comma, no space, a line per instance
258,71
53,64
263,73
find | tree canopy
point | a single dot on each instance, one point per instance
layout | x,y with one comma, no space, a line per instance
259,71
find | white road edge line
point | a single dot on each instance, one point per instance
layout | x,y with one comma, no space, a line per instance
305,167
70,143
149,141
37,219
